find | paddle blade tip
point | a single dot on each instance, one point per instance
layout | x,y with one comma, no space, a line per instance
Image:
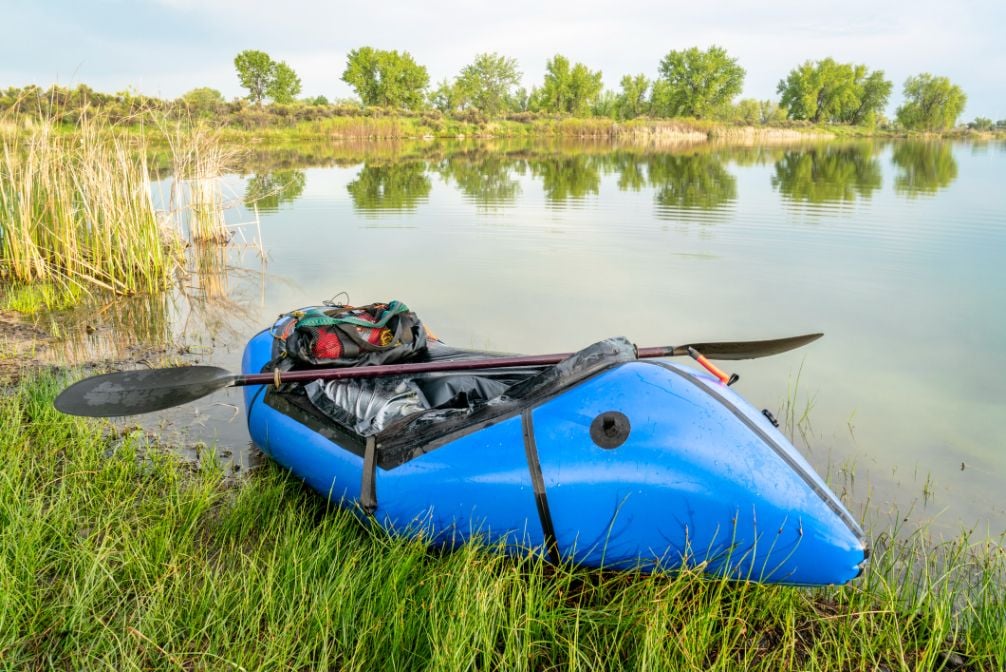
144,391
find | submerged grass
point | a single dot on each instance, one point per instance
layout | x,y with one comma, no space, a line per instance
114,555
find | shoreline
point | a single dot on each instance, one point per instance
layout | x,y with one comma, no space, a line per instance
378,124
655,131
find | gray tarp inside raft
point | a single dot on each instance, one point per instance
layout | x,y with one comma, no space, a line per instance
368,405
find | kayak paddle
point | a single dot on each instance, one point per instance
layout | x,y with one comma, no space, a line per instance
144,391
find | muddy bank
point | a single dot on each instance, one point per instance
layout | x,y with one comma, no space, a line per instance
26,347
23,347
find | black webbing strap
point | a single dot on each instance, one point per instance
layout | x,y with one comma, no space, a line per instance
368,489
538,483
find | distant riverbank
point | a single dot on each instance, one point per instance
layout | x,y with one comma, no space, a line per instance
278,124
652,132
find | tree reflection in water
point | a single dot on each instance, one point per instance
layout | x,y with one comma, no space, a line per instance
923,167
565,178
826,174
399,186
485,179
269,190
694,182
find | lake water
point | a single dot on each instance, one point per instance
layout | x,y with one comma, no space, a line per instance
896,251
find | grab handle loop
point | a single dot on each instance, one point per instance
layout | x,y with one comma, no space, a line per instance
712,368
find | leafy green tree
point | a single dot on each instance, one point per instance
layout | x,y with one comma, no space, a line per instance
748,111
981,124
363,73
264,77
931,103
284,85
828,91
923,167
487,83
696,83
203,102
520,101
605,105
386,78
584,88
567,89
445,97
632,101
255,71
771,112
874,91
660,97
810,91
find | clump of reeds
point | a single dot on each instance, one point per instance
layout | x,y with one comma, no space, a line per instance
199,159
371,127
76,211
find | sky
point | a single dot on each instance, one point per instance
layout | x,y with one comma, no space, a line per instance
167,47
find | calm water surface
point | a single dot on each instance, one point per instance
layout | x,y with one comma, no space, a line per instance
896,251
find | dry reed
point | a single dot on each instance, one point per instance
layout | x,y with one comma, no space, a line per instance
199,160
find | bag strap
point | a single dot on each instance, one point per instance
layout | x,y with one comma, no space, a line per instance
319,318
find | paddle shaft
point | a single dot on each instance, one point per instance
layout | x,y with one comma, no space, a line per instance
147,390
445,366
726,350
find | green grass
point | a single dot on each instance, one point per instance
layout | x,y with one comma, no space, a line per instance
30,299
116,555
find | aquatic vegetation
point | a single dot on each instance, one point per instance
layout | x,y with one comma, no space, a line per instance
198,160
76,212
77,215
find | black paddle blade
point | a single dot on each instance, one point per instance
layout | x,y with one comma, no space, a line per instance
732,350
132,392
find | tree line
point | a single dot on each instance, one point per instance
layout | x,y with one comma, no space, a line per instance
701,84
690,83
